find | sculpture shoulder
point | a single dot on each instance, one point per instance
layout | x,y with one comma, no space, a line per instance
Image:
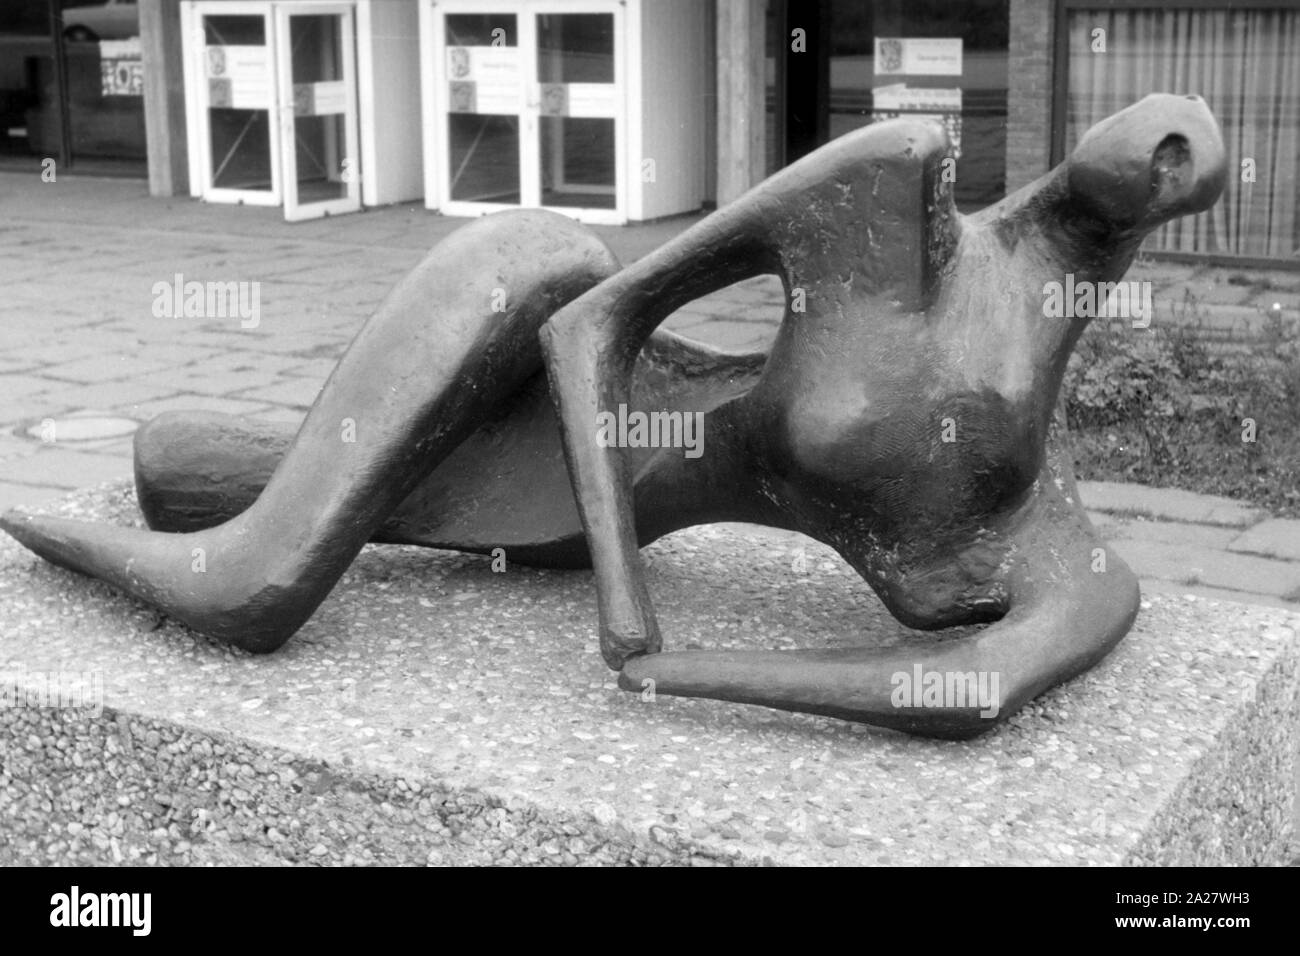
872,206
901,149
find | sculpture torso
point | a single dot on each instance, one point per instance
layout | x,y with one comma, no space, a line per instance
906,438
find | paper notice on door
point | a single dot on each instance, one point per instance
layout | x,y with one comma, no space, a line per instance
460,97
239,77
890,102
553,99
493,72
911,56
592,99
319,99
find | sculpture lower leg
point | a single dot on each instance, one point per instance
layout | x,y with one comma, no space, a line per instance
1065,615
449,344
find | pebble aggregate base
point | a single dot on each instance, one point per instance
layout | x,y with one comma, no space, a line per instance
434,711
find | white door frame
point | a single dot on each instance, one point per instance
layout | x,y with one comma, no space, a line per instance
197,101
620,113
349,173
433,72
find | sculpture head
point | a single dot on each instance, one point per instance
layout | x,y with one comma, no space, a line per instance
1160,158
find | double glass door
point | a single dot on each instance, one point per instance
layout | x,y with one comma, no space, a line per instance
524,107
273,105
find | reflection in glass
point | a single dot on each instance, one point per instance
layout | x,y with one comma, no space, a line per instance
225,30
241,149
29,117
481,29
578,162
484,154
575,48
318,153
239,138
319,128
102,96
316,48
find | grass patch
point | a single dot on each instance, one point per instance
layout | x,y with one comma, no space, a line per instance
1160,407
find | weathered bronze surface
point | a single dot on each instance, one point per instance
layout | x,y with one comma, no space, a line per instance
905,416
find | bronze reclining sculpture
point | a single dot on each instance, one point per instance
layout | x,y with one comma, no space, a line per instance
917,324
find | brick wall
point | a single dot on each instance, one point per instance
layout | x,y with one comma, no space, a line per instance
1029,91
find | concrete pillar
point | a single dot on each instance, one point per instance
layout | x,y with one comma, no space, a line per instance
741,96
164,97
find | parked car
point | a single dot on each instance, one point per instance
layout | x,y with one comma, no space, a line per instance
110,20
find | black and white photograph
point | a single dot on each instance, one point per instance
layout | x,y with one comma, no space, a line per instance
650,433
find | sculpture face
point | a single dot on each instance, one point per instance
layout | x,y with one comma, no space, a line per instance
904,415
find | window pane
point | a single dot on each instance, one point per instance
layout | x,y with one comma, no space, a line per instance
577,162
1244,64
484,157
575,48
481,29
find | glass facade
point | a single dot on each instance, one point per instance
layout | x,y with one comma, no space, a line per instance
858,63
74,92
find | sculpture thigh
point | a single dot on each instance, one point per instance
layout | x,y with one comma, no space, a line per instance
505,486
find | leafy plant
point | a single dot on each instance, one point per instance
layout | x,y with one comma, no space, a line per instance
1165,406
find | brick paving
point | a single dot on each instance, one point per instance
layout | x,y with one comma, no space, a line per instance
79,260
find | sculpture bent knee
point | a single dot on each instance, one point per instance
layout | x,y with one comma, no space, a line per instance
905,416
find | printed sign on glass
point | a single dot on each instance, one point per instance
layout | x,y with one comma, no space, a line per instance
912,56
484,79
120,68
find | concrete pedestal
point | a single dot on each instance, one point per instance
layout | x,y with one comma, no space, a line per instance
436,711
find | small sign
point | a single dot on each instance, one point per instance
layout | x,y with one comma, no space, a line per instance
218,92
494,73
554,99
120,68
239,77
319,99
592,99
461,98
458,63
912,56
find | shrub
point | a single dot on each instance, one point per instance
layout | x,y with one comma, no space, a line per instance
1160,406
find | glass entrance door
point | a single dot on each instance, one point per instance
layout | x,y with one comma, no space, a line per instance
318,109
577,83
527,108
235,95
481,81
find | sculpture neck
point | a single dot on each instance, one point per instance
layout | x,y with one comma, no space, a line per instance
1059,265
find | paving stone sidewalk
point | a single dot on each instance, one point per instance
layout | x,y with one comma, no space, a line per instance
79,260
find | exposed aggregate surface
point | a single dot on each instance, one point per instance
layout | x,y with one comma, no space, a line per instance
433,711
